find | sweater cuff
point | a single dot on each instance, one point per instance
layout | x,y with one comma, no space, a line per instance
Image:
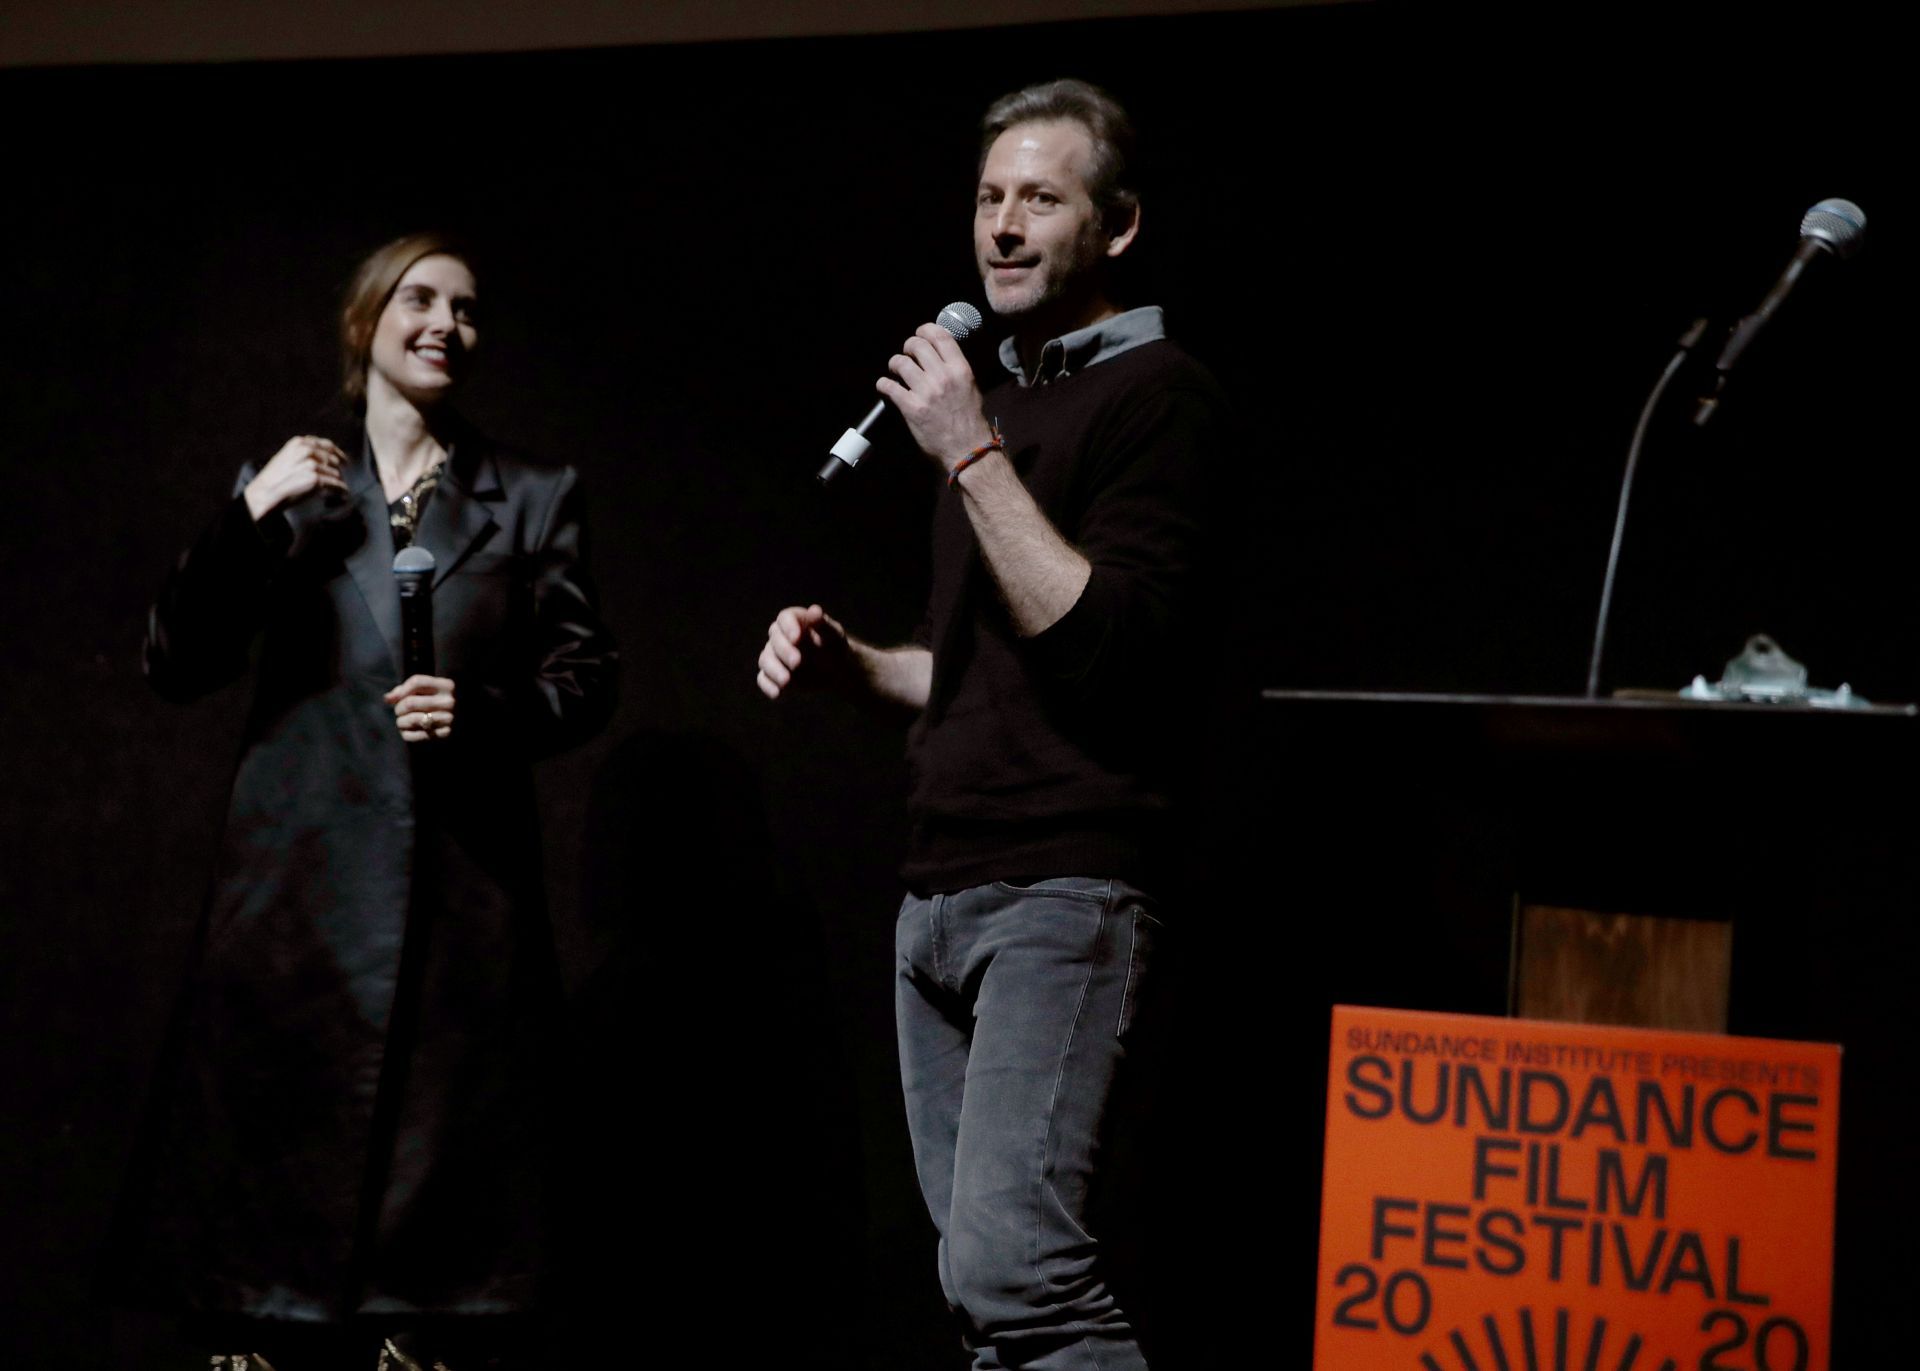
1067,648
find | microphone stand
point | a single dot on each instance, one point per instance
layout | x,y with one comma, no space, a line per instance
1688,341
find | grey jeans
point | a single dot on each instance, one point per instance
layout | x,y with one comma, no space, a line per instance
1016,1008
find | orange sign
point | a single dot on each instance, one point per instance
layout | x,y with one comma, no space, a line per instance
1512,1195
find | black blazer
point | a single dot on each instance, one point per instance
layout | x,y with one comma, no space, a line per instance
354,1106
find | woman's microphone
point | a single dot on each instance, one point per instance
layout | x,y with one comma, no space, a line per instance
413,570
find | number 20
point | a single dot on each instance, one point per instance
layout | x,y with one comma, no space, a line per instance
1763,1342
1345,1315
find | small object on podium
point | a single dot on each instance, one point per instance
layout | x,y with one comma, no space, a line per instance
1764,674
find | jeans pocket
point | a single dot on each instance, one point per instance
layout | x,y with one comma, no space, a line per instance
1143,933
1095,889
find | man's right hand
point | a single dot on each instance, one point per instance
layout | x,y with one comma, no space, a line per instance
306,464
805,649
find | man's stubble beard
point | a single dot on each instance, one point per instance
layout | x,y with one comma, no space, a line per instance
1068,284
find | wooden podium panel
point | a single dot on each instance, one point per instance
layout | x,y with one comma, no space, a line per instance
1634,970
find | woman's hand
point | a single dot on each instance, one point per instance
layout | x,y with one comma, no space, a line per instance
296,471
423,708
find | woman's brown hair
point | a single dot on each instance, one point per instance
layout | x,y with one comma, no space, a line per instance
367,297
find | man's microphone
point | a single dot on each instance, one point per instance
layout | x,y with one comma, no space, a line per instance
960,319
1833,227
413,570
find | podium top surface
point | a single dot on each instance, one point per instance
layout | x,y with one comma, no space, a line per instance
1638,704
1620,731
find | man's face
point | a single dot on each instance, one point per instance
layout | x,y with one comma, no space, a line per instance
1037,235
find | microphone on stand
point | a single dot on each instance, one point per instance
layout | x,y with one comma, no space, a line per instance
961,320
1831,228
413,571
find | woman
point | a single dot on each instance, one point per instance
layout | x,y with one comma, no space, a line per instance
352,1145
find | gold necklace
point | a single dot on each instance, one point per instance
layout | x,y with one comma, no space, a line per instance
404,513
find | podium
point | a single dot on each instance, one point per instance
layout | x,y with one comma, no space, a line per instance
1440,822
1393,842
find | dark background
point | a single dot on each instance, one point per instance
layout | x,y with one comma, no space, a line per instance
1437,257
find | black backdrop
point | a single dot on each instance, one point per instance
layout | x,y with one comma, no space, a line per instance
1437,258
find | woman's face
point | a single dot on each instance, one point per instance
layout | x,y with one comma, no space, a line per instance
421,344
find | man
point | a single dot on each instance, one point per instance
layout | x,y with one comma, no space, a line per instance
1062,622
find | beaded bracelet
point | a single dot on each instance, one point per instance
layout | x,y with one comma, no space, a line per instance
996,444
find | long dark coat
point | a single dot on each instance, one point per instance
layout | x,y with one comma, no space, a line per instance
353,1117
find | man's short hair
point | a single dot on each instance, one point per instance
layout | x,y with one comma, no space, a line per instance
1111,182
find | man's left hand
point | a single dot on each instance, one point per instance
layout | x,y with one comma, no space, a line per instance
936,395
